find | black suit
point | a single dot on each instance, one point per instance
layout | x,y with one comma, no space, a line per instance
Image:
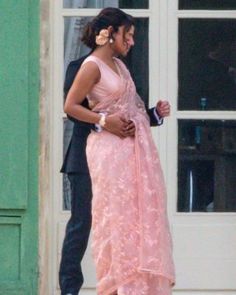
75,165
75,158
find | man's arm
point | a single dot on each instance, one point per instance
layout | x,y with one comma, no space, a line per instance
155,119
158,113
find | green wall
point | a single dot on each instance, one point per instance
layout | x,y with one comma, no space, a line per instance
19,108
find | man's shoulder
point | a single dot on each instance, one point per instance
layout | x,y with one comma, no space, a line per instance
77,62
71,72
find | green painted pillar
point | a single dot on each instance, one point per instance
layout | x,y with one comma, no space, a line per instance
19,108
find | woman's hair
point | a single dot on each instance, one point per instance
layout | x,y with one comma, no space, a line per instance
109,16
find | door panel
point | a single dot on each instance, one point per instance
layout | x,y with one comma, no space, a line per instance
10,240
19,91
14,104
208,263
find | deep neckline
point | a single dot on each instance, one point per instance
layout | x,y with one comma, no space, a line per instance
118,73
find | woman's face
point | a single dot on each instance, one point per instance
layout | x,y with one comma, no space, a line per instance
123,40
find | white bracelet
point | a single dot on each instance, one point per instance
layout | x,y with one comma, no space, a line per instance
102,120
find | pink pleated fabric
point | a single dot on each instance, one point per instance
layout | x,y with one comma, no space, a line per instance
131,241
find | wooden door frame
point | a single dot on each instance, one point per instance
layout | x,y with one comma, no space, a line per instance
45,155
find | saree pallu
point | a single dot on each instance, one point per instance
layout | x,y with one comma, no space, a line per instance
130,231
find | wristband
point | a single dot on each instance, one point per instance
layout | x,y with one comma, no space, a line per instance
102,120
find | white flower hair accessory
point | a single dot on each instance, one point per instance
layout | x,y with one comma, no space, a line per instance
102,37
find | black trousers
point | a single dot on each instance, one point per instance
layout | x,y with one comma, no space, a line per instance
77,234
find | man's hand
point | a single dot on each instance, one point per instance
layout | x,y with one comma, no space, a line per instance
119,126
163,108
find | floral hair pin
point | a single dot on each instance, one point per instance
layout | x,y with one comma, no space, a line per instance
102,37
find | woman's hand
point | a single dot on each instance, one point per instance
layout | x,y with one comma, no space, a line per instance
119,126
163,108
129,130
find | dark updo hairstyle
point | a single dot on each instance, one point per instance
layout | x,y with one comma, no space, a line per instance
109,16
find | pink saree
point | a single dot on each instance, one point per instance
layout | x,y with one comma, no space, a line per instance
131,241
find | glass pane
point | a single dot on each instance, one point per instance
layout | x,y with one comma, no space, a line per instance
105,3
207,64
206,166
74,49
67,132
207,4
73,30
139,67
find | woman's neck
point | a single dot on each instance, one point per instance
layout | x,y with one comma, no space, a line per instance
105,53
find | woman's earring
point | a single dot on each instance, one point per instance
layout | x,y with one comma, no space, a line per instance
111,41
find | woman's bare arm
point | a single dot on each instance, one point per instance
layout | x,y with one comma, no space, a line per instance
86,78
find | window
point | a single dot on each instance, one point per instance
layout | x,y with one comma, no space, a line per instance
206,105
207,64
206,165
207,4
105,3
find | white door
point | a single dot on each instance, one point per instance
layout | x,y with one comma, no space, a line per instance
197,144
201,145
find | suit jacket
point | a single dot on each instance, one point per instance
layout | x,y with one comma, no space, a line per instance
75,158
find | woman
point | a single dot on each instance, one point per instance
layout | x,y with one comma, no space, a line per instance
131,240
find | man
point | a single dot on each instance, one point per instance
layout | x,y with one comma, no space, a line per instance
75,165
